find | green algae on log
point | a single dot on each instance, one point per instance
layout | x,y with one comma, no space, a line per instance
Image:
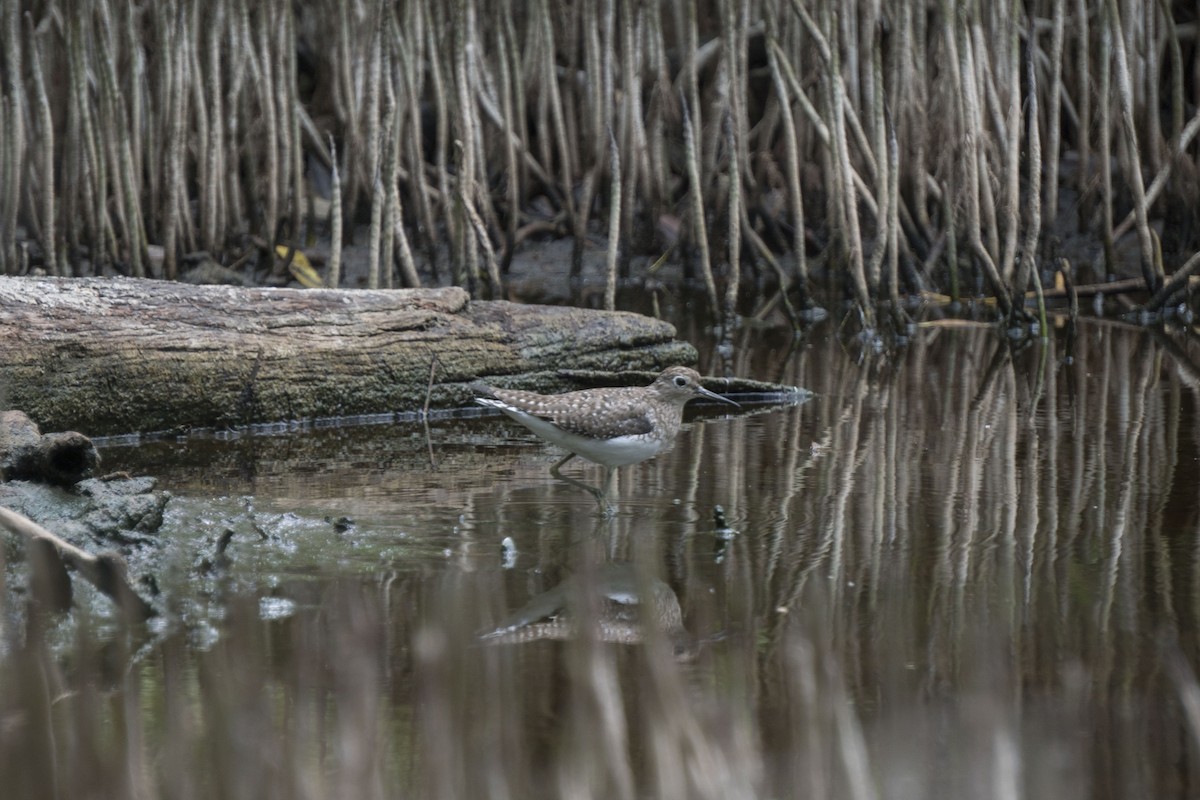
118,355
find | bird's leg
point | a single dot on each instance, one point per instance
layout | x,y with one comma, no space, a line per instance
555,469
605,507
557,472
592,490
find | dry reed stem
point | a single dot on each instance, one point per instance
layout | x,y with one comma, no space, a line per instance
568,80
375,137
1149,84
1033,147
1104,154
520,128
409,48
814,117
512,128
695,193
614,223
660,100
785,283
513,170
1177,80
986,147
633,67
408,266
732,34
893,218
1160,180
76,208
7,177
235,105
292,110
1054,107
370,108
482,83
883,194
267,107
734,223
127,196
848,208
82,212
197,112
791,165
1084,102
1131,159
14,146
453,220
553,94
345,99
213,185
46,135
103,247
635,139
375,233
389,220
107,83
475,233
958,44
819,125
1011,134
825,51
334,278
598,80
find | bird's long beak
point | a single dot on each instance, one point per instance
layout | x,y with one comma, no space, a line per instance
717,397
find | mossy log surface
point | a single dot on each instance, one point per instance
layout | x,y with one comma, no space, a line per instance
117,355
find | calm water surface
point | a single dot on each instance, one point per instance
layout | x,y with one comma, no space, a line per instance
956,573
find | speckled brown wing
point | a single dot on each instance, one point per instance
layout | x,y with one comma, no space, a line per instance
597,415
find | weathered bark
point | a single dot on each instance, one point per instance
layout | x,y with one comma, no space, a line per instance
61,459
108,356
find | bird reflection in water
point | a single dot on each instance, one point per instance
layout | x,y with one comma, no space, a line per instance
619,605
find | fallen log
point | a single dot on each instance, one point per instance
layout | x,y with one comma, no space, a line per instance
116,355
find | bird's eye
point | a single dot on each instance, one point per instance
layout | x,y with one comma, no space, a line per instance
680,381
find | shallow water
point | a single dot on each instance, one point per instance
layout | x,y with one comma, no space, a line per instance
959,572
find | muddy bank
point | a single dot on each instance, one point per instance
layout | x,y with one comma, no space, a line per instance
57,516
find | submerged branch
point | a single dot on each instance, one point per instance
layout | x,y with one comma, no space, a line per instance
106,571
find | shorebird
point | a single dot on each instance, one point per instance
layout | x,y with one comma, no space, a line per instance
612,427
614,605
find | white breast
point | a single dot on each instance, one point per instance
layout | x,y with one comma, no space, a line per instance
616,452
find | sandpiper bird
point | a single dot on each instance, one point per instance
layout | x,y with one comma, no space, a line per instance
612,427
615,605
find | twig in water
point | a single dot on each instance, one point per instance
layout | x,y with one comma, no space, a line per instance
433,362
105,571
1176,283
1069,286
